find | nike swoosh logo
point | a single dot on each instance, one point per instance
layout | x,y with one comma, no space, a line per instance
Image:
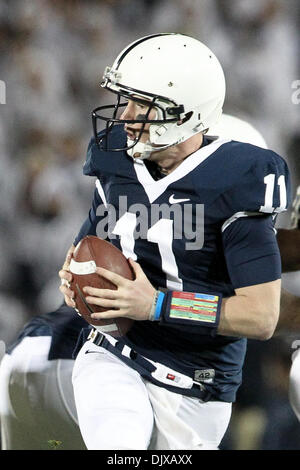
91,352
172,200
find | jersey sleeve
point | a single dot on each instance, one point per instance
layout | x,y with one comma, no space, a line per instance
264,186
261,189
251,251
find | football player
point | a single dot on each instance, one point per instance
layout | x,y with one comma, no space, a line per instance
37,407
207,266
289,319
39,363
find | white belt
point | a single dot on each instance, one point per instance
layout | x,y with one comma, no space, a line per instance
161,373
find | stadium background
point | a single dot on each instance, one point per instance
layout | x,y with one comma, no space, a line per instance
52,56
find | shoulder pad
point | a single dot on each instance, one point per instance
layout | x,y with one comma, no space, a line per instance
262,182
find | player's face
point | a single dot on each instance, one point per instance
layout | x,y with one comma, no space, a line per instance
135,110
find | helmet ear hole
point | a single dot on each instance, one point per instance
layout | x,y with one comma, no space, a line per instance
186,118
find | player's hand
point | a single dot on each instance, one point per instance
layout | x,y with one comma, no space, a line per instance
66,278
132,299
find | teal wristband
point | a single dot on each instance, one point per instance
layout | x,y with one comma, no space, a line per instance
158,307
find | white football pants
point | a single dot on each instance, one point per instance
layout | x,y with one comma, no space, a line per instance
117,409
36,399
294,388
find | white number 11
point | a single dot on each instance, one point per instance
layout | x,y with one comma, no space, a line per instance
269,181
162,234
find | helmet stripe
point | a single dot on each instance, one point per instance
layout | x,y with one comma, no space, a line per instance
139,41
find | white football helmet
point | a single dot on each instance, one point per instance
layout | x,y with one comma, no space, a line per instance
178,77
231,127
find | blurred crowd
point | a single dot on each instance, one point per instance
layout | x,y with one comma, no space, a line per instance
52,56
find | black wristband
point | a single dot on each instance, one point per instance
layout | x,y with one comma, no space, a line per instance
198,310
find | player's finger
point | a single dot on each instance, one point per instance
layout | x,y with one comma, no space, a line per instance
66,291
101,302
107,314
65,275
70,302
139,273
68,296
68,258
64,282
104,293
112,277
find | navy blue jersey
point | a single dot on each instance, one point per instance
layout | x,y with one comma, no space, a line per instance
206,227
63,325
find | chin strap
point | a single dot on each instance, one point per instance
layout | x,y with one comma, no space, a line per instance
145,149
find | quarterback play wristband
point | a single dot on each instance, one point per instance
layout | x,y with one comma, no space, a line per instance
193,309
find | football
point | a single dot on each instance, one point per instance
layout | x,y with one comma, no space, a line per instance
88,254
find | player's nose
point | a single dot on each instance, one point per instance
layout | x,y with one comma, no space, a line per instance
128,112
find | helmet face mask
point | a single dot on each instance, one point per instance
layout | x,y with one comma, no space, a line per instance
174,75
153,104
